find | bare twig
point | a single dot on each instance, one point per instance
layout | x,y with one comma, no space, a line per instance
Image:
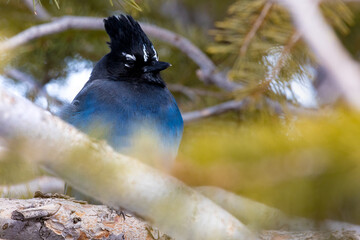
193,93
241,105
255,28
330,52
184,90
38,10
214,110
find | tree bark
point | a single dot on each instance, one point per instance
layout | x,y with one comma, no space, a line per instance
56,218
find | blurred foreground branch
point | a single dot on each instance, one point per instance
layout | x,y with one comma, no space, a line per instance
259,216
43,184
114,179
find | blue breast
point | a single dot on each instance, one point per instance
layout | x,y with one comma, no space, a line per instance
140,120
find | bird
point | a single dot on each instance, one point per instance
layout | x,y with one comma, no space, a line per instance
127,101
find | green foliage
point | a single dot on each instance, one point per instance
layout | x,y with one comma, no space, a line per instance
259,41
307,167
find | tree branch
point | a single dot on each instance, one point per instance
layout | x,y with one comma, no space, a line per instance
214,110
295,37
38,10
32,84
56,26
207,73
44,184
330,52
56,218
255,28
192,93
114,179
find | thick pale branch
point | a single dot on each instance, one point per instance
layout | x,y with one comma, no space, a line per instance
330,52
114,179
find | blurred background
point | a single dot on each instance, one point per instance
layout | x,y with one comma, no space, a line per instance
284,137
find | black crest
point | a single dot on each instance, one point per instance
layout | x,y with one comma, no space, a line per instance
127,37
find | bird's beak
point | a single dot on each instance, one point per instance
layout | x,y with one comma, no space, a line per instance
156,67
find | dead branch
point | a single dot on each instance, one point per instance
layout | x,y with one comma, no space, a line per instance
327,47
56,218
114,179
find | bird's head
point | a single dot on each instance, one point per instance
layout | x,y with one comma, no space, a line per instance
132,55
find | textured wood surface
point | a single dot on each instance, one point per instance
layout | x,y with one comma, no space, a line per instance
56,218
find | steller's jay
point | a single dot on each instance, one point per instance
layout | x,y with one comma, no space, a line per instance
127,100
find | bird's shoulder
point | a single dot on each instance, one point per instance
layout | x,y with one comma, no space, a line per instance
121,96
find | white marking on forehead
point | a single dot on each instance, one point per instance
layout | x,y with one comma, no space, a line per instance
156,55
129,56
146,55
127,65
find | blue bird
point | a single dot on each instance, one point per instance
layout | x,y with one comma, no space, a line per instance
127,100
